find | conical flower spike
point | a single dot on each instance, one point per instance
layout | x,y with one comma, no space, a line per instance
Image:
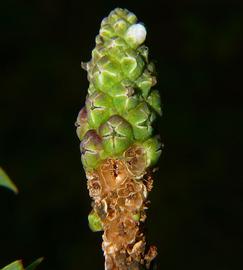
118,144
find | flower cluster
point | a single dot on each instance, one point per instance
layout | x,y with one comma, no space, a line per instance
118,147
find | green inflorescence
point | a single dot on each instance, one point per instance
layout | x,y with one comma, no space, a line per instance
121,104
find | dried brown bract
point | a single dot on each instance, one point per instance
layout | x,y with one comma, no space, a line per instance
119,188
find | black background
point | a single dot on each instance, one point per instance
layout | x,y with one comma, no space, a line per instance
196,214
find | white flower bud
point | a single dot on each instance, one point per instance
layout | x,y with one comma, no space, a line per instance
136,34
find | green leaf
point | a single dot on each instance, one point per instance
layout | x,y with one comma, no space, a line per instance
35,264
16,265
6,182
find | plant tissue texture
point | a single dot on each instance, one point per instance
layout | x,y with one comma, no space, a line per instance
118,147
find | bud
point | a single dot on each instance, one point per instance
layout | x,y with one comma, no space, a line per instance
145,82
94,222
132,65
154,101
136,217
106,31
90,147
99,107
82,124
105,74
139,118
135,35
120,26
116,134
153,150
125,97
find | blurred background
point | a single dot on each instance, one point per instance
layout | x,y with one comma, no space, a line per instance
195,217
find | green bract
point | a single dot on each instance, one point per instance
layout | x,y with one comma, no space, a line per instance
141,118
117,134
6,182
18,265
121,104
136,217
94,222
82,123
90,147
153,150
99,108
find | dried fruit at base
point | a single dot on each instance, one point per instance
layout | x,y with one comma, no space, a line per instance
111,214
136,160
120,232
150,256
137,249
134,201
100,208
125,190
130,187
148,181
112,173
94,185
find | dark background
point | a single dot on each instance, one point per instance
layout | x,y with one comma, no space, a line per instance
197,202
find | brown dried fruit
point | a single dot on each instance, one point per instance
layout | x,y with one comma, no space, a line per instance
94,186
118,197
135,158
